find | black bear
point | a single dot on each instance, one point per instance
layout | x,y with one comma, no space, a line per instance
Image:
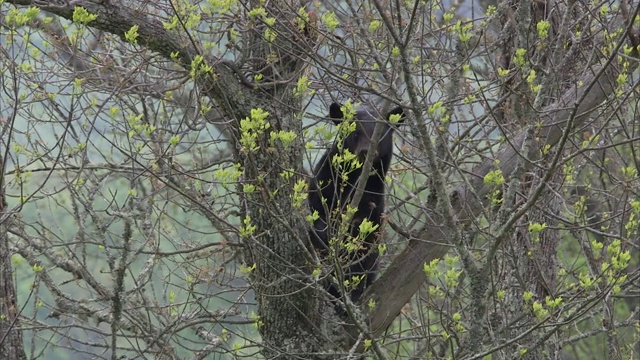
333,186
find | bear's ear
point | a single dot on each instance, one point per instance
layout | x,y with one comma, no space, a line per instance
397,111
335,113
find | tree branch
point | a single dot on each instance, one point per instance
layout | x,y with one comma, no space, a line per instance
222,84
404,276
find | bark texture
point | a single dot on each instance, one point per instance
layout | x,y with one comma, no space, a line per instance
11,346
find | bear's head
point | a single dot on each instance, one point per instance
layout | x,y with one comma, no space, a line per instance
358,141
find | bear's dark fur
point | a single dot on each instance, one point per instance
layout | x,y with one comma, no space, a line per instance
331,191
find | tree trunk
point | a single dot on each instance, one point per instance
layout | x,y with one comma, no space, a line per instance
275,250
11,347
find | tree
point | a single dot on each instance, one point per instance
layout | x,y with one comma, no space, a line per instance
155,157
10,333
